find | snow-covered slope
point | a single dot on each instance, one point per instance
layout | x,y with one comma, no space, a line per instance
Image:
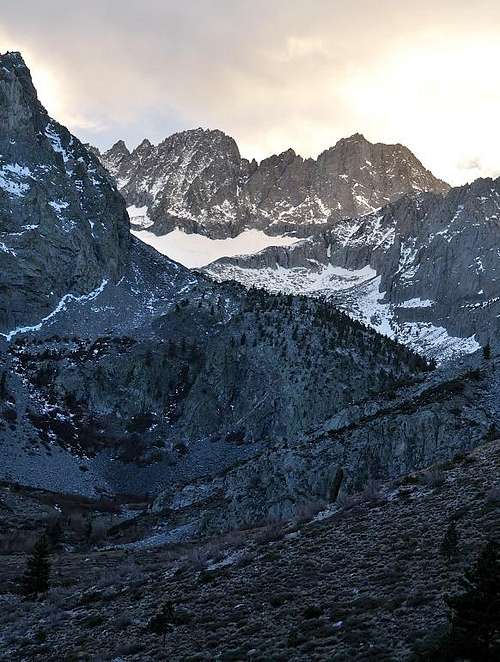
425,269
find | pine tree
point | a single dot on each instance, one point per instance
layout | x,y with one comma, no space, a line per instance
475,613
36,576
3,386
487,352
162,620
449,546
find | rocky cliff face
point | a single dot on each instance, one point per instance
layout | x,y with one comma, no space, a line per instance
424,268
382,439
63,225
197,180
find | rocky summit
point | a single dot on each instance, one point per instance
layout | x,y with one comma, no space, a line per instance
64,230
197,181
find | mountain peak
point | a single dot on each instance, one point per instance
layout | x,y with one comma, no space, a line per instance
119,148
59,223
12,59
197,180
146,143
356,137
17,86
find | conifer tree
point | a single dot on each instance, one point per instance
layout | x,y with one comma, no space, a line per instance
162,620
487,352
36,576
449,546
475,613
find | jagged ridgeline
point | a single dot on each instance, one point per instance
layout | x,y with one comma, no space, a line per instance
197,180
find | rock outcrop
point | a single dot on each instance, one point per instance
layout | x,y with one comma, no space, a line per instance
385,438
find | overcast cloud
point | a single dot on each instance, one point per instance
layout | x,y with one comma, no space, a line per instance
273,74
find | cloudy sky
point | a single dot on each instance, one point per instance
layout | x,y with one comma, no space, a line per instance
272,73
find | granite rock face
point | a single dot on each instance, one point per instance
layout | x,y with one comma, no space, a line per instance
64,228
382,439
196,180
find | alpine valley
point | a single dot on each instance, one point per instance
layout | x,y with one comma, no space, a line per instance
272,445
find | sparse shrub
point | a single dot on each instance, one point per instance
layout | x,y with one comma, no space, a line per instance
279,599
93,620
347,501
163,620
271,532
122,622
294,639
54,532
198,558
313,611
306,511
234,538
206,577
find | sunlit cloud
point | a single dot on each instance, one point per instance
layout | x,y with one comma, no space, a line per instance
273,74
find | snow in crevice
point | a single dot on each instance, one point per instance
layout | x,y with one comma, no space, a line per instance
7,249
55,141
67,298
13,179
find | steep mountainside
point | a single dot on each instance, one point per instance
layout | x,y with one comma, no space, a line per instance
197,181
64,229
424,268
186,386
136,372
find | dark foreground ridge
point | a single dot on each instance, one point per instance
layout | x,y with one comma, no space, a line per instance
365,583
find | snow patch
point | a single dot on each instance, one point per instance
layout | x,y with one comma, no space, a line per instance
416,303
139,216
194,250
11,176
